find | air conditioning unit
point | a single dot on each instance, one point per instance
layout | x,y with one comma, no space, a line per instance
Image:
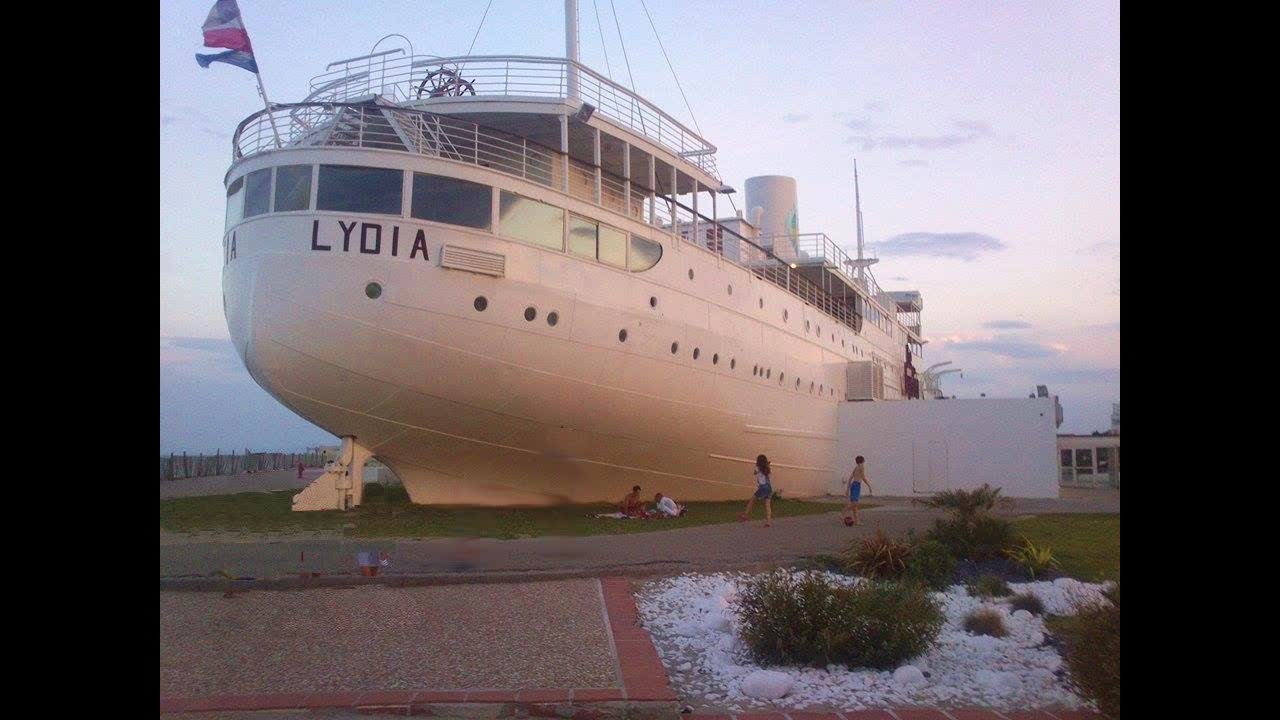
864,380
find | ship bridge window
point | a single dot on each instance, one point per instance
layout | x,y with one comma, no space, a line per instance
293,188
257,193
644,254
452,201
600,242
520,218
235,202
349,188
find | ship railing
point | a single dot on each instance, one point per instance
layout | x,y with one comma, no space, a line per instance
430,79
377,127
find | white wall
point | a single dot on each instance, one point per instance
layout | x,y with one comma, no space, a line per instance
918,447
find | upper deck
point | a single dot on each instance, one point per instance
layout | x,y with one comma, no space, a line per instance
496,83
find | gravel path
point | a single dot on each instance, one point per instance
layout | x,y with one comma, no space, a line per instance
545,635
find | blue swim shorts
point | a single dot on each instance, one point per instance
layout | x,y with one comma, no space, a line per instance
855,491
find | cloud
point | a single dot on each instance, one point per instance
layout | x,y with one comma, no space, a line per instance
208,401
1008,325
187,116
1008,347
964,132
915,163
965,246
861,124
795,118
900,278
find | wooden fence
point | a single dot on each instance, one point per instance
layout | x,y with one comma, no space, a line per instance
176,466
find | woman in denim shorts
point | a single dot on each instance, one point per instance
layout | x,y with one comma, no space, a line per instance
764,491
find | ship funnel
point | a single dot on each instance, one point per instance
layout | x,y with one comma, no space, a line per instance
773,199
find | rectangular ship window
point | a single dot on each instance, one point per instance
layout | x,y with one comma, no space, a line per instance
520,218
350,188
583,234
293,188
613,246
257,193
235,202
452,201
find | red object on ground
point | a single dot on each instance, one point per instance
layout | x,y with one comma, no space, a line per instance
369,570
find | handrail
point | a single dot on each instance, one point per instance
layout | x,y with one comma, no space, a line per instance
518,76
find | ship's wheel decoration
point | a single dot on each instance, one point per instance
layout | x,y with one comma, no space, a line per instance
445,82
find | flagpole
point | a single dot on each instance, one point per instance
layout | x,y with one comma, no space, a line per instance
262,90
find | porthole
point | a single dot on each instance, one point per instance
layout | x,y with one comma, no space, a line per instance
373,290
761,303
675,346
806,326
819,331
733,363
715,359
530,313
653,302
690,273
781,377
842,342
731,289
797,383
785,315
768,373
696,352
622,335
821,390
552,318
481,303
755,370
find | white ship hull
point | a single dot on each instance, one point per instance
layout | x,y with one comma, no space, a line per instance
486,407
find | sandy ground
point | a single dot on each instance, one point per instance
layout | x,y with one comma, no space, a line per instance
543,635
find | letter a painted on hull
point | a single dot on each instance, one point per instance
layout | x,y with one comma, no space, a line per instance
420,242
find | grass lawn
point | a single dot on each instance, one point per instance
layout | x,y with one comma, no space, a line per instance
387,512
1087,545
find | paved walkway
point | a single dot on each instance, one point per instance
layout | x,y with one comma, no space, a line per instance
718,547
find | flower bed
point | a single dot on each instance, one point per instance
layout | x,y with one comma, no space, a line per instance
694,625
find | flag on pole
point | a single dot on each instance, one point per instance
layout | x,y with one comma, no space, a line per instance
224,29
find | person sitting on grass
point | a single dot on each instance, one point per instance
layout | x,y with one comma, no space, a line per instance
666,507
632,505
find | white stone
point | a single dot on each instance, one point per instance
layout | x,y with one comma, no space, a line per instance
767,685
1022,615
909,676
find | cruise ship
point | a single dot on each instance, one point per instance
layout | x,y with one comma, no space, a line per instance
515,281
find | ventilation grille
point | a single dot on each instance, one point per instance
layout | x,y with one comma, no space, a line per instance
476,261
865,380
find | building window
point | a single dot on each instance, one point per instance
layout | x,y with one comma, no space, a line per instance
293,188
257,193
1084,458
612,249
452,201
520,218
1066,458
1104,459
583,234
348,188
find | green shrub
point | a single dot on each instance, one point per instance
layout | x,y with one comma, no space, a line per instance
965,503
1092,649
806,620
879,557
1033,560
1027,601
975,537
988,586
985,621
931,564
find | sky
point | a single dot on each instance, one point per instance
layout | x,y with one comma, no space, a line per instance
987,136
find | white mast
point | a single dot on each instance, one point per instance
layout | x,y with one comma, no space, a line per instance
862,272
571,47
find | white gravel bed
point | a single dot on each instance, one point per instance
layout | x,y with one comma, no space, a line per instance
694,626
